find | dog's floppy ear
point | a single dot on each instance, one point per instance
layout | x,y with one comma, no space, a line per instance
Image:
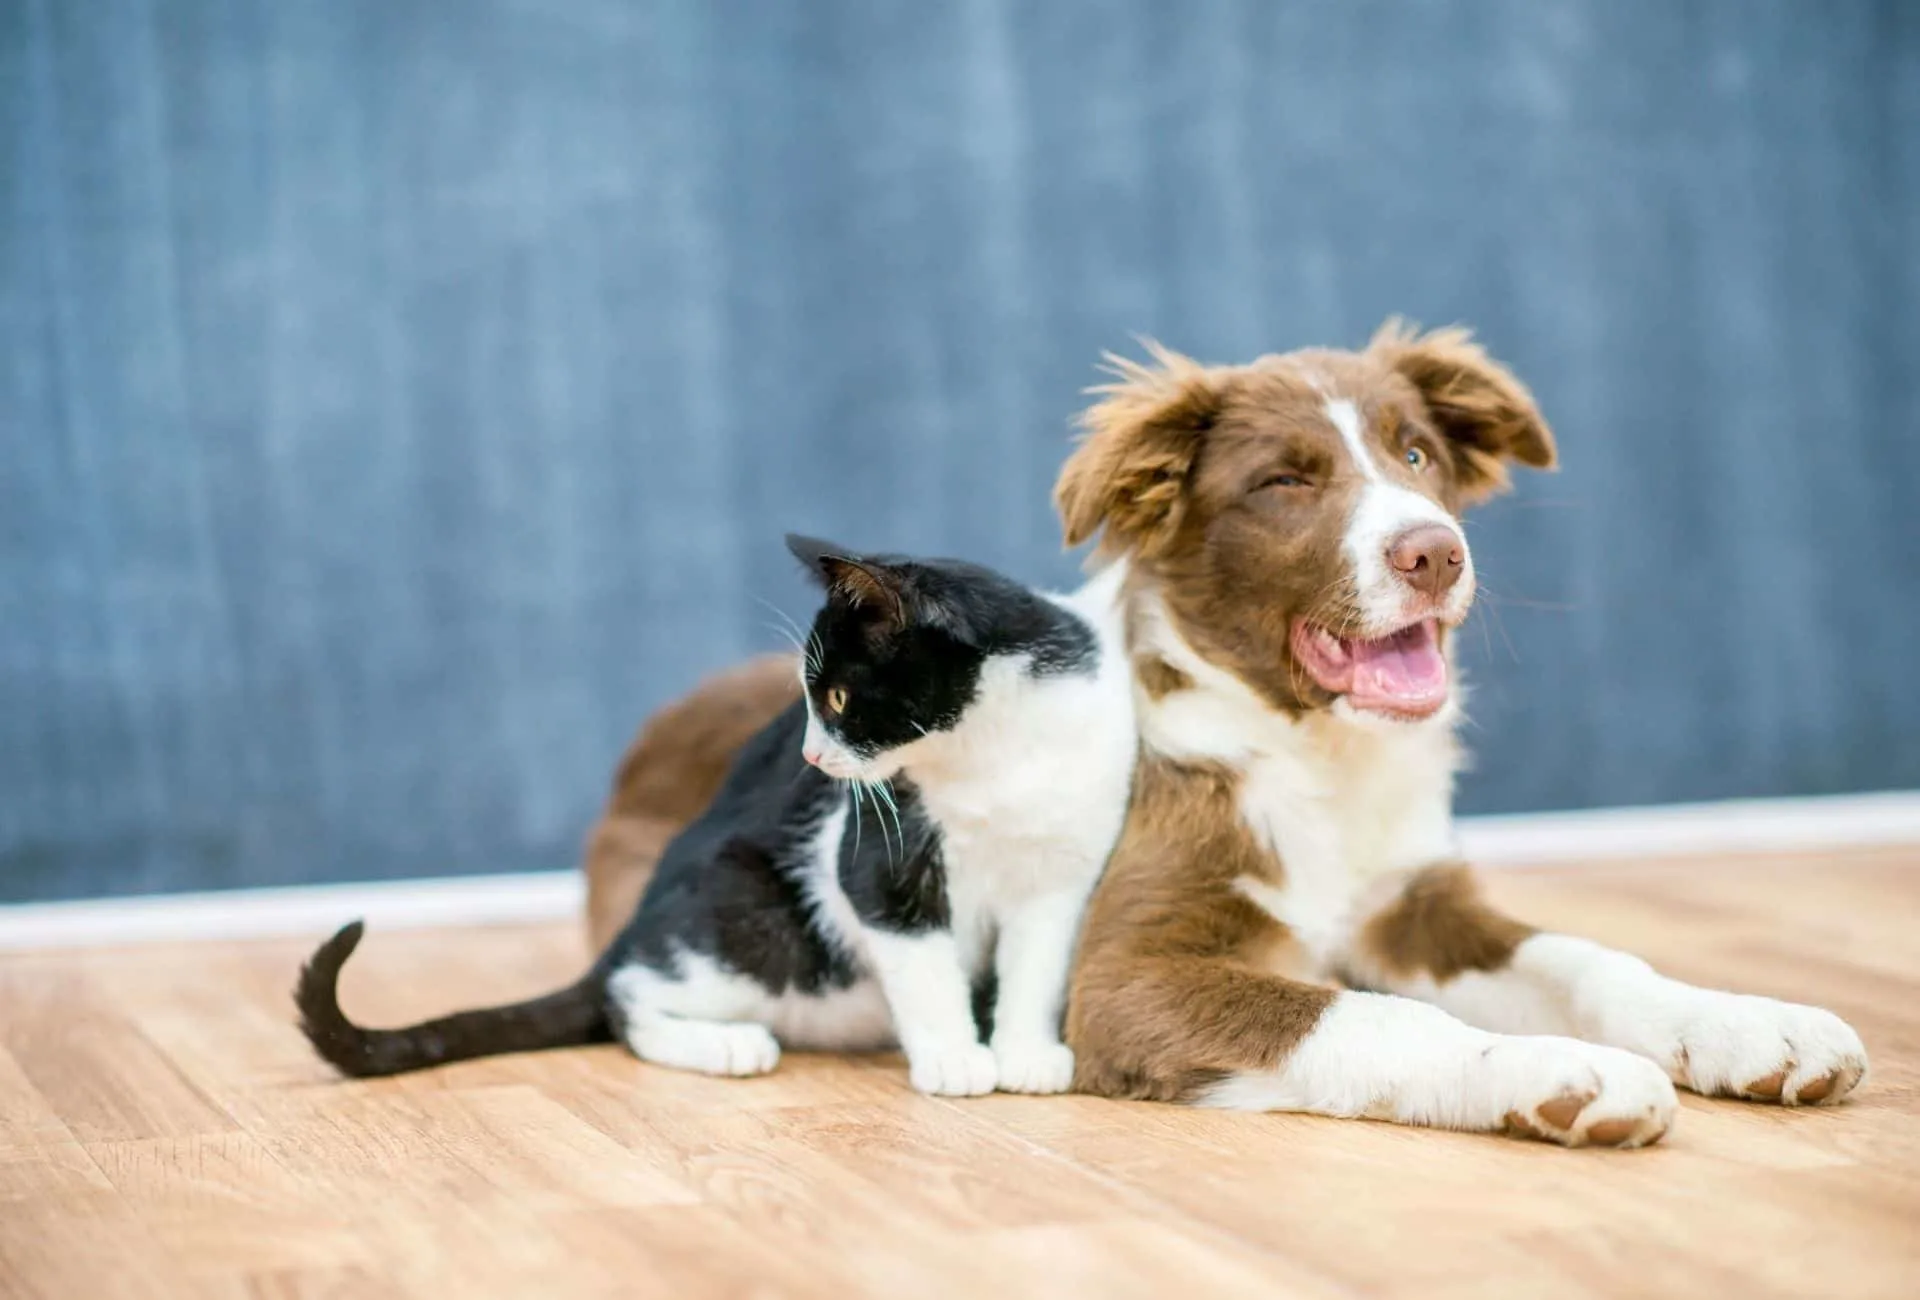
1487,414
1127,479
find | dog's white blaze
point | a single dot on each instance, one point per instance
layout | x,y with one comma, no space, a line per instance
1346,418
1384,511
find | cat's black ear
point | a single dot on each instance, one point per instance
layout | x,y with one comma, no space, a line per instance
814,555
860,582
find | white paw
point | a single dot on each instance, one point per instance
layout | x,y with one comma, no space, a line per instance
1734,1045
952,1070
1577,1094
1037,1066
735,1049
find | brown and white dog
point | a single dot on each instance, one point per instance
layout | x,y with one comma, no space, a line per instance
1295,564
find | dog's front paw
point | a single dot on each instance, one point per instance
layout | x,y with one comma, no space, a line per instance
1038,1066
1734,1045
1578,1094
952,1069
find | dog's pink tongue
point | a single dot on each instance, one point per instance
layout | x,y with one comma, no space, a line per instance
1404,671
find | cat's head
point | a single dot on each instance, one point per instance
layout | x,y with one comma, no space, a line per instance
894,656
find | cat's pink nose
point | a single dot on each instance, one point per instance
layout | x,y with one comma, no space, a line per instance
811,755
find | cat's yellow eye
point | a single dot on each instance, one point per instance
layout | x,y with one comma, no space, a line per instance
836,699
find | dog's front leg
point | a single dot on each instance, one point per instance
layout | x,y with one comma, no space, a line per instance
1439,941
1213,1032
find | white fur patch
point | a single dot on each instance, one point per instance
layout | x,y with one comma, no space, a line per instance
704,1018
1345,417
932,1001
1378,1057
1032,961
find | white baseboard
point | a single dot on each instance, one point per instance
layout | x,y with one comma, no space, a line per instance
1531,839
312,910
1694,830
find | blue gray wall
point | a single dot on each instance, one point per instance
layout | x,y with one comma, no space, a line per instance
398,400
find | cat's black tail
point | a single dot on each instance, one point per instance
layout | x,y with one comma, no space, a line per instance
568,1018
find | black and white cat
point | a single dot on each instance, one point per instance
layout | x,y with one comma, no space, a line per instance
901,857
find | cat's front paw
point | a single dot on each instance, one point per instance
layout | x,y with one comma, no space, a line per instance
1037,1066
1734,1045
952,1070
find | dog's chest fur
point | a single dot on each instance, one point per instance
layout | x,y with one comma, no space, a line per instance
1341,803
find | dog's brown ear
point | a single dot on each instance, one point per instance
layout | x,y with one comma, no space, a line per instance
1127,479
1479,406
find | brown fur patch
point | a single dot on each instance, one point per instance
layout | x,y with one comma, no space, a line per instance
1440,926
669,776
1158,677
1818,1090
1128,479
1518,1125
1174,988
1611,1132
1562,1111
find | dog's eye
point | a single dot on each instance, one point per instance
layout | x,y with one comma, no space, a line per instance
1284,481
1416,457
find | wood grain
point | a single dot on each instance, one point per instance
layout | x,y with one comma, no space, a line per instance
164,1131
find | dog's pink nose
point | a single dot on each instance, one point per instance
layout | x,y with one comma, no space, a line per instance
1428,558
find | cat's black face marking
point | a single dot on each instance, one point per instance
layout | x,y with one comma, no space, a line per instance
896,652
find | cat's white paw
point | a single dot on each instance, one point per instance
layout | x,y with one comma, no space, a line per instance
1736,1045
952,1070
1574,1093
732,1049
1037,1066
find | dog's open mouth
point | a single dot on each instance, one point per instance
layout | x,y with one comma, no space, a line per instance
1402,674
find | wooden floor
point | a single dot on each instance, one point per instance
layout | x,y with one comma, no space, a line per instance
164,1131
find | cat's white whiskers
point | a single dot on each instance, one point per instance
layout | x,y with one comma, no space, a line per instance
883,793
853,789
780,614
880,816
786,636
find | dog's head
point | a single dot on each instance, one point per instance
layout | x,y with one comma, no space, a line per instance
1300,515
